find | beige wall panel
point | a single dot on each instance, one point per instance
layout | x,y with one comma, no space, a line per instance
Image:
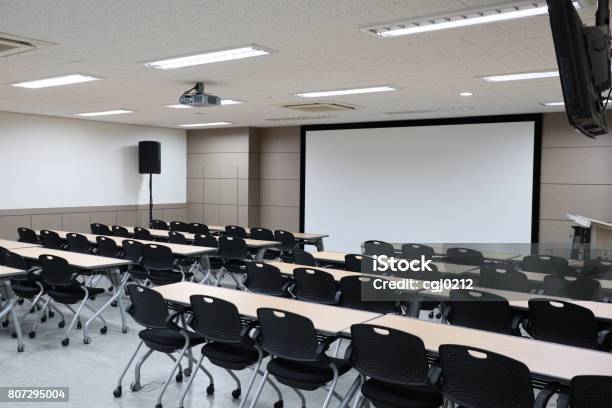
195,212
76,222
594,201
47,221
158,214
577,165
287,218
10,223
254,191
552,231
195,190
228,214
243,215
280,192
280,166
228,191
175,214
104,217
211,191
557,133
130,218
280,139
224,162
243,192
211,214
254,220
218,140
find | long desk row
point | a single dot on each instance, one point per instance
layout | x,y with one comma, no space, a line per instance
8,307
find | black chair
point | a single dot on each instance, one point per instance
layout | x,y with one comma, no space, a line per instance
159,225
597,268
179,226
352,289
132,251
100,229
473,377
374,247
548,264
142,233
78,243
215,262
313,285
416,251
228,343
27,235
288,244
297,358
161,333
51,240
587,391
302,257
175,237
495,277
264,234
464,256
267,279
481,310
160,265
354,262
393,368
235,231
197,228
107,247
565,323
582,288
234,253
64,288
120,231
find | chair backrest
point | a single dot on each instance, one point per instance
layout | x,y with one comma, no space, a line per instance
232,248
216,319
495,277
416,251
3,251
479,378
582,288
590,391
314,285
262,234
100,229
148,307
206,241
107,247
175,237
55,270
562,322
132,250
464,256
264,278
388,355
549,264
597,268
302,257
351,295
50,239
374,247
120,231
159,224
480,310
27,235
179,226
13,260
157,257
142,233
287,335
235,231
197,228
78,243
287,240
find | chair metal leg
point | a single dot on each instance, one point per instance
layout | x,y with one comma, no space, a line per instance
98,316
359,401
252,379
117,391
351,392
174,367
301,395
332,388
75,318
43,310
260,389
219,277
235,280
238,390
337,352
193,375
136,385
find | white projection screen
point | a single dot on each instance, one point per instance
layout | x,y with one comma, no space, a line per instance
456,183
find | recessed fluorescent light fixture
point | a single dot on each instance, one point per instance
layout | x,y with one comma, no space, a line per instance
223,103
56,81
322,94
466,94
179,106
463,19
105,113
523,76
209,57
193,125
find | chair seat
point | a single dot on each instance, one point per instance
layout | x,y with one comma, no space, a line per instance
233,356
385,395
25,289
235,265
69,295
215,262
168,340
167,277
137,272
271,254
305,375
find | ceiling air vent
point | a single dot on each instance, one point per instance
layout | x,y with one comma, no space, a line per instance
300,118
318,107
447,109
11,45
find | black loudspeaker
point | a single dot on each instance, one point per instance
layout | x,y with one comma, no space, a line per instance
149,157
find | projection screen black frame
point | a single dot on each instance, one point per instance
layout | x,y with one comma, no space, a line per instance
537,151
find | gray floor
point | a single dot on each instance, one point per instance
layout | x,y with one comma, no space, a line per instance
91,371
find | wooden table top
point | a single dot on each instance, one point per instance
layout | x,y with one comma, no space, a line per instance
251,243
7,272
298,235
81,261
10,245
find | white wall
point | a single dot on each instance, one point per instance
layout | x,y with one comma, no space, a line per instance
57,162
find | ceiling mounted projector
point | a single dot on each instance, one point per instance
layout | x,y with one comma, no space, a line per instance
197,98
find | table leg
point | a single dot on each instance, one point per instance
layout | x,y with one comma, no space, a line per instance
320,246
260,254
119,283
9,308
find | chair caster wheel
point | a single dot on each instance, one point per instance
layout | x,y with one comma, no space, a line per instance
51,313
14,335
92,297
65,342
278,404
110,288
187,372
20,301
438,315
179,378
114,303
32,310
136,387
124,330
61,324
43,319
20,348
236,393
431,315
103,330
210,390
5,323
32,334
79,325
117,392
86,340
158,406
